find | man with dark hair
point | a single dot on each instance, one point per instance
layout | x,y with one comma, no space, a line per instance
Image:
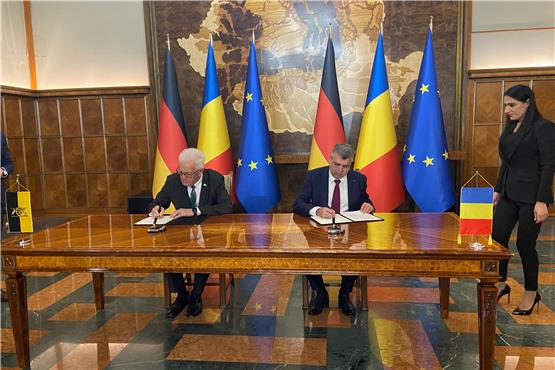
194,191
327,191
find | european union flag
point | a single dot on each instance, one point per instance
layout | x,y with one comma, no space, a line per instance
256,178
426,164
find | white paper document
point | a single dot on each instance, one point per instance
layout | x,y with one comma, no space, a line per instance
358,216
150,220
347,217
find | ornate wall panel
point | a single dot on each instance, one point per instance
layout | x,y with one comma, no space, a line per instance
80,149
485,119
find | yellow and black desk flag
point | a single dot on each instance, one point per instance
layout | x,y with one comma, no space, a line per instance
18,209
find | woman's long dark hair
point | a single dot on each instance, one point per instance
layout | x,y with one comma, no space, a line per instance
525,94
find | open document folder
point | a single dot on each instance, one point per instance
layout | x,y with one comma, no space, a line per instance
347,217
150,220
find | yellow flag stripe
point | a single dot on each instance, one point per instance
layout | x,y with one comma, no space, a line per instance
377,132
213,137
26,220
316,159
161,171
483,211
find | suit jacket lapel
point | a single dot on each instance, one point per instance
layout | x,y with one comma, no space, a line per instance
509,131
204,196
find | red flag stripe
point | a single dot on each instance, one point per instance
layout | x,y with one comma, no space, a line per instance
221,162
475,227
386,192
328,129
171,140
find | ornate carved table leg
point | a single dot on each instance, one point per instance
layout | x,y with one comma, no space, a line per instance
98,284
444,297
17,300
487,301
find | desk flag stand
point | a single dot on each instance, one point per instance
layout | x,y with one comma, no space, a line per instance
476,215
18,210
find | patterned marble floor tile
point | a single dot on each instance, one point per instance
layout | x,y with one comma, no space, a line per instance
251,349
121,328
525,358
90,356
58,290
75,312
270,296
403,344
7,342
414,295
208,316
329,318
546,278
464,322
137,290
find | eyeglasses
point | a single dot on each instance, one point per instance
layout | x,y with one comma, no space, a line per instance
187,174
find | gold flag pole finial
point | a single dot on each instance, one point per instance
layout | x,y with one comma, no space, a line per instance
168,41
381,27
431,23
329,30
210,38
253,38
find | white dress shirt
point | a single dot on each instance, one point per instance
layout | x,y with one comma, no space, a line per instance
198,189
343,194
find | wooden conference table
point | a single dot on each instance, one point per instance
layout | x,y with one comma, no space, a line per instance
404,244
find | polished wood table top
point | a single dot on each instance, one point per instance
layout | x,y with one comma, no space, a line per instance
400,234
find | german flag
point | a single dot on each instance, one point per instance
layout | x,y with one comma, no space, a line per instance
18,208
213,137
476,211
171,129
328,127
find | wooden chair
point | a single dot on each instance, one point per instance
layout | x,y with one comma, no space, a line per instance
361,291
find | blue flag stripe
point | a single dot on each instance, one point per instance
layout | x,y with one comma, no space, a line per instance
378,79
211,88
476,195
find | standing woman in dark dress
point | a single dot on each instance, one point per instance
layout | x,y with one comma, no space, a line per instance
523,190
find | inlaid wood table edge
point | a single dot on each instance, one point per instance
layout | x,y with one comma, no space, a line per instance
405,244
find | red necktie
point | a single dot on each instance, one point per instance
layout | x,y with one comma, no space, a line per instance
335,199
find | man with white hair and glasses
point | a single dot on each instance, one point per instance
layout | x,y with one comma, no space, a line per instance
194,191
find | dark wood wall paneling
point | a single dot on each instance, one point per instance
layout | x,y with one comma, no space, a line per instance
486,119
80,149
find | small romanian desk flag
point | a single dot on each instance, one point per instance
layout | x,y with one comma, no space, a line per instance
476,215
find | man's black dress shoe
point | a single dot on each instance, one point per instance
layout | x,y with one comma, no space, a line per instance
195,307
346,306
178,306
318,303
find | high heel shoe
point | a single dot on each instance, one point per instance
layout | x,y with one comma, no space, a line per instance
505,291
519,311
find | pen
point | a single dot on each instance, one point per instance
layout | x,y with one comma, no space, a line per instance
333,221
154,223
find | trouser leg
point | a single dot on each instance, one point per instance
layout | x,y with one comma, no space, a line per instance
527,235
504,220
347,283
198,285
316,282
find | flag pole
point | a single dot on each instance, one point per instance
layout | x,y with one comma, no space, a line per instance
253,38
431,23
381,27
168,41
210,38
329,30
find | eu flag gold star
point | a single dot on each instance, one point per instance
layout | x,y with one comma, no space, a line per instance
253,165
445,154
249,97
257,306
404,148
411,158
269,159
424,88
239,162
428,161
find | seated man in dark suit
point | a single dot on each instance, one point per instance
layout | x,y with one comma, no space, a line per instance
194,191
327,191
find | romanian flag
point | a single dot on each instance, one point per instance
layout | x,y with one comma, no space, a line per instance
213,137
328,128
377,155
476,211
18,209
171,129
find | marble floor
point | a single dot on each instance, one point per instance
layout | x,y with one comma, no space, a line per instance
264,326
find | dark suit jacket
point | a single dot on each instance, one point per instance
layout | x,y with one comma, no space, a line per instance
315,191
526,173
214,199
6,159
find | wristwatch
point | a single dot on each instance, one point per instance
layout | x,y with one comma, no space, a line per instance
195,211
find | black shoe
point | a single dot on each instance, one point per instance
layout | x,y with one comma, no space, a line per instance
519,311
318,303
505,291
195,307
178,306
346,306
